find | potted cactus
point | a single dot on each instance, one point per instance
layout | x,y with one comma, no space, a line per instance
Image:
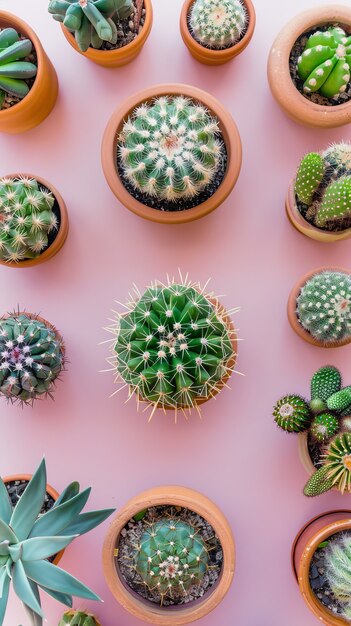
108,32
171,153
309,67
174,347
32,357
319,307
33,220
181,562
34,529
318,201
28,81
216,31
78,618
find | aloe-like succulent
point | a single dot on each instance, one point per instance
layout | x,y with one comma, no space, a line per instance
218,24
292,414
13,70
78,618
28,538
337,562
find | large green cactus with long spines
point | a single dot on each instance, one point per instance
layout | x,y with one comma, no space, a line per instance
31,358
292,413
218,24
26,218
78,618
171,557
337,564
13,70
324,65
91,21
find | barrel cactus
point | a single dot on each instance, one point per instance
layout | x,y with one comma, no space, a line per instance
324,65
78,618
14,71
173,346
323,306
292,414
337,562
324,426
26,218
93,22
170,148
218,24
31,357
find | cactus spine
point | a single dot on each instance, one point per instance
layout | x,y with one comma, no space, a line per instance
292,414
218,24
13,70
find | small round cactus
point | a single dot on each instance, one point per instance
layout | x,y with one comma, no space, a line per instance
324,427
31,357
78,618
14,71
292,414
218,24
338,461
337,562
324,66
323,306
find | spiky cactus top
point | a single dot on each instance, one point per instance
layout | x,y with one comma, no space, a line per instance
324,66
78,618
337,564
13,69
170,148
92,21
292,414
31,358
323,306
173,346
218,23
26,218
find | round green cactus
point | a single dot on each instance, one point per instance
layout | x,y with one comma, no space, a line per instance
324,427
171,557
292,414
338,461
78,618
337,158
335,207
324,66
309,176
13,70
323,306
170,148
31,358
218,24
337,561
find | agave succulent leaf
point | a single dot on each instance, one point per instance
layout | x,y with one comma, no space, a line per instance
6,533
53,577
68,493
4,598
5,504
38,548
3,576
59,517
23,589
35,619
30,503
65,598
87,521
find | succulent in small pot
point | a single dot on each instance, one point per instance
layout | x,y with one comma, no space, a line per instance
319,307
216,31
108,32
309,67
171,153
169,556
174,347
78,618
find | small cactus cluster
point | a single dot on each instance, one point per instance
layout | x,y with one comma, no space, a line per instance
218,24
171,557
323,306
324,65
170,148
173,346
78,618
92,21
31,357
323,186
26,219
14,71
337,563
326,419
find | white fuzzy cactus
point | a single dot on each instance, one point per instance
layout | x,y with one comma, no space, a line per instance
218,23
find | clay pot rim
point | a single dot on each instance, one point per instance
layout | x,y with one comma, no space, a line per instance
61,234
291,308
219,56
231,138
186,498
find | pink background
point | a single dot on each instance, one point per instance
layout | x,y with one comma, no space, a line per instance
235,455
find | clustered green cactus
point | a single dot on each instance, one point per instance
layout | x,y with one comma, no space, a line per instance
218,24
31,358
92,21
170,148
28,538
78,618
323,306
323,186
13,70
324,65
337,562
26,218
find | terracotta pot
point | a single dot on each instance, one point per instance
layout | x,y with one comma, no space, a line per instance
72,613
215,57
62,232
40,100
120,56
292,317
293,103
305,544
50,490
135,604
230,135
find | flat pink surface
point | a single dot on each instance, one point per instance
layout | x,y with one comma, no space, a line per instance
235,454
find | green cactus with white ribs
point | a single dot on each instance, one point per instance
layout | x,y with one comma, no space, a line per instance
218,24
292,413
337,562
26,218
173,346
324,383
13,70
93,22
323,306
171,557
324,65
78,618
31,358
